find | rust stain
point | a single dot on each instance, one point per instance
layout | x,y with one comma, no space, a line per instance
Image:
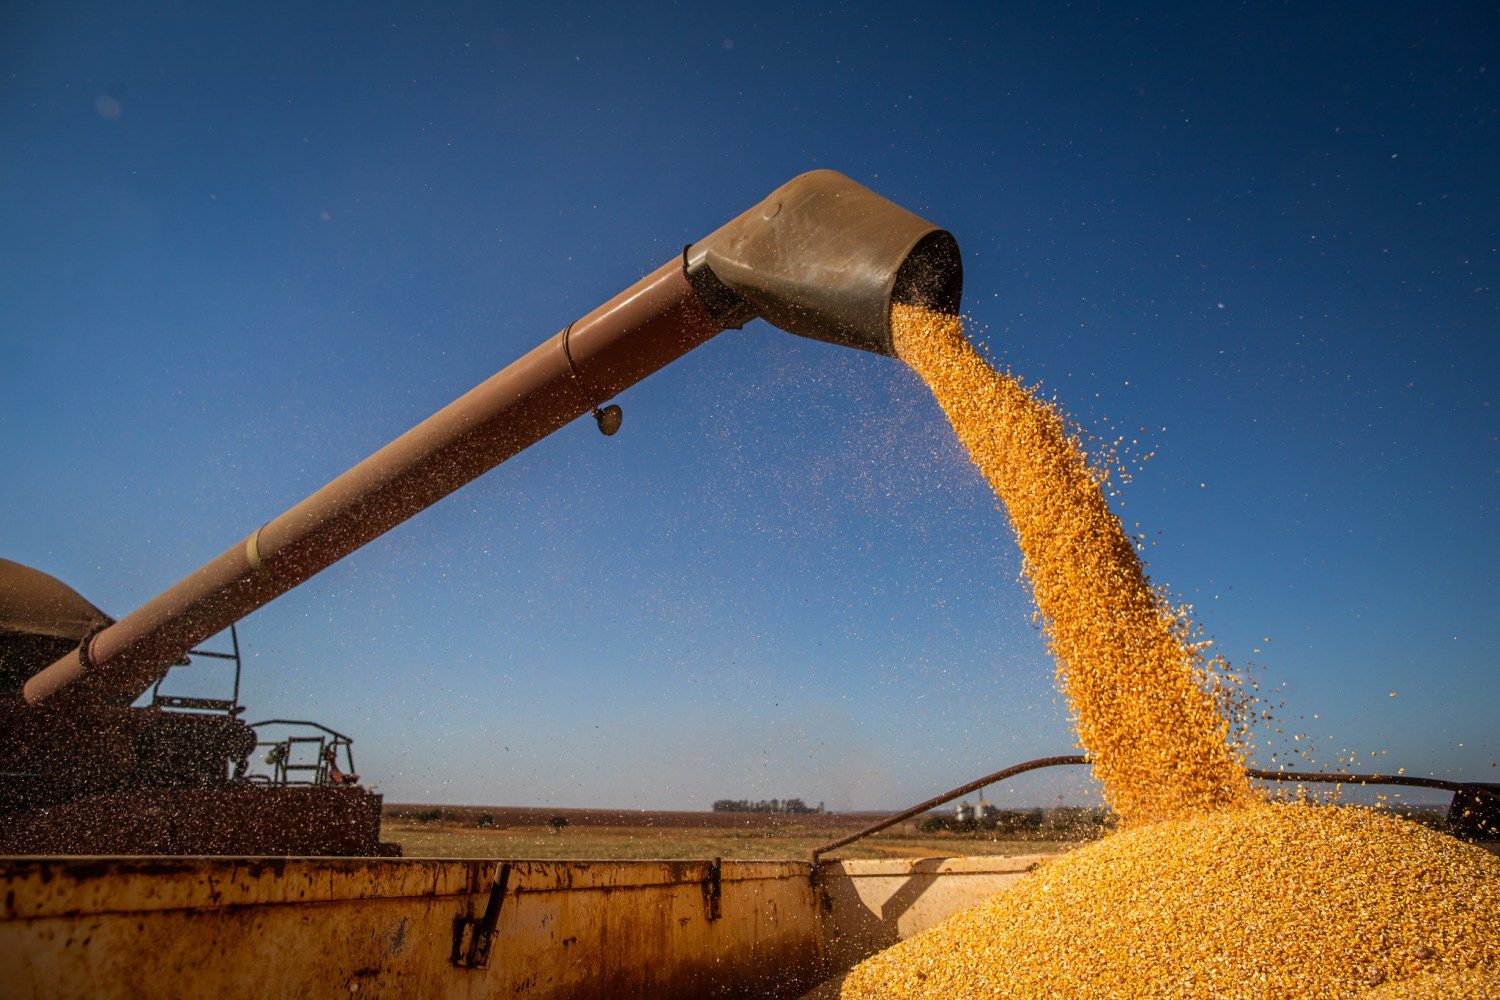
120,929
398,937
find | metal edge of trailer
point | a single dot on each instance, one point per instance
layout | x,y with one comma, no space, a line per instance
276,927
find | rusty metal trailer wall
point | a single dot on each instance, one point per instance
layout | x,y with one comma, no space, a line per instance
231,928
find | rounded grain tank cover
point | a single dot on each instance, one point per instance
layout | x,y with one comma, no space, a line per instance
824,257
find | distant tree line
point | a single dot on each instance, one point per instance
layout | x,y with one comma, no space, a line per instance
765,806
1066,821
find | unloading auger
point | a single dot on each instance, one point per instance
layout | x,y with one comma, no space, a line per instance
822,257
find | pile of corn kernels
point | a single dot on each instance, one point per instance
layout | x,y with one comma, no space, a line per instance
1259,901
1207,891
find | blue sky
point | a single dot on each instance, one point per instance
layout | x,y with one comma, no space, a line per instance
241,249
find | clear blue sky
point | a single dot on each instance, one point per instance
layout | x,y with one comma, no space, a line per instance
242,246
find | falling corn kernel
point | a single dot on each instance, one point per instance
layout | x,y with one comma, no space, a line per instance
1155,738
1207,890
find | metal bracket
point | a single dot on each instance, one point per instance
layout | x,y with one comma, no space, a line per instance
85,658
1475,812
472,938
712,888
609,417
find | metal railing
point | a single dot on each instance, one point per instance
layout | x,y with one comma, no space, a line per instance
1075,759
291,767
229,706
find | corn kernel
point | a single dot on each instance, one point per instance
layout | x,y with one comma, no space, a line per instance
1207,890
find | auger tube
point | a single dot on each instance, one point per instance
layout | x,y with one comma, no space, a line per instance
821,257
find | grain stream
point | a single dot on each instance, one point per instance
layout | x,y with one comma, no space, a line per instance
1154,736
1208,890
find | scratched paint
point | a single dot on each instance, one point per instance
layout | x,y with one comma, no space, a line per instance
384,928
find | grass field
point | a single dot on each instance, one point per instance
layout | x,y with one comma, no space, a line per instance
498,832
426,831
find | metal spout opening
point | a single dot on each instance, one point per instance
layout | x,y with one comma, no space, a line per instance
932,276
824,257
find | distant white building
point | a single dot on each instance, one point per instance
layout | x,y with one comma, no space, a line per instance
985,812
963,813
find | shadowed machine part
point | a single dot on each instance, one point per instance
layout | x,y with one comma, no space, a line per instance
822,257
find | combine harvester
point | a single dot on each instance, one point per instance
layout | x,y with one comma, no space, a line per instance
202,880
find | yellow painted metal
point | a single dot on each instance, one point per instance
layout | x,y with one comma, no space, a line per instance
265,928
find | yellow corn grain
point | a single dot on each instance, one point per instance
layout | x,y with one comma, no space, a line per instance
1154,737
1468,984
1265,901
1207,890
